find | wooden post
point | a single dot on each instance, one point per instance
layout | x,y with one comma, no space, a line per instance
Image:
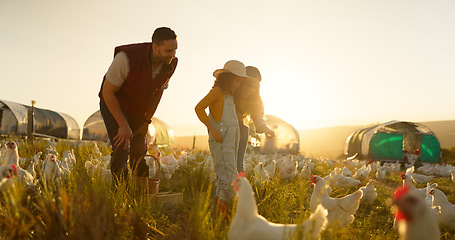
30,114
194,141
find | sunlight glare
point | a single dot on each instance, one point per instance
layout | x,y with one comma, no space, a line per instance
298,102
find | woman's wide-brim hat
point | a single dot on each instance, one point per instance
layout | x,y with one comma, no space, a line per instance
253,72
233,66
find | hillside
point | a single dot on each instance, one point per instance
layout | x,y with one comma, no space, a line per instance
329,142
445,132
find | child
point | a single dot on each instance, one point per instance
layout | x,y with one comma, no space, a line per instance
223,128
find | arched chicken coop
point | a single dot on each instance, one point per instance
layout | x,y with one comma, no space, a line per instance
47,123
287,139
160,133
393,141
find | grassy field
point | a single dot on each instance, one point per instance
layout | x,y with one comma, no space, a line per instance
87,207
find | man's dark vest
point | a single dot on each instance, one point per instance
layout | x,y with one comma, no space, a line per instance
138,88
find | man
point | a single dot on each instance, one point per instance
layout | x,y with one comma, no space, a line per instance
129,96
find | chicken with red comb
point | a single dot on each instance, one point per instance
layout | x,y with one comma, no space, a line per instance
247,224
415,219
7,172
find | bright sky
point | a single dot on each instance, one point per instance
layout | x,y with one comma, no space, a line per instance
323,63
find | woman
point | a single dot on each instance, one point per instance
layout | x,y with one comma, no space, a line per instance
249,106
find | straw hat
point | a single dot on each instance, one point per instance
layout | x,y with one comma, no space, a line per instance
233,66
253,72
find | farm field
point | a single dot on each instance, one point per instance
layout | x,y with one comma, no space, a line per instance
82,204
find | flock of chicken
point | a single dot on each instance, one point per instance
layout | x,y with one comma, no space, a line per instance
420,215
55,168
51,168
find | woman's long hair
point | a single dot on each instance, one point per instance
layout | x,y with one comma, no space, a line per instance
248,105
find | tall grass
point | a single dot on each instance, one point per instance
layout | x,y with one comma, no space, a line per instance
85,206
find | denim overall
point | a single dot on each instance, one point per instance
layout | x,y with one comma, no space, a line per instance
224,154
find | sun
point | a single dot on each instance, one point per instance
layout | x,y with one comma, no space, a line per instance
300,103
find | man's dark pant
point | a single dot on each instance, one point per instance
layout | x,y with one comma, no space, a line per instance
137,148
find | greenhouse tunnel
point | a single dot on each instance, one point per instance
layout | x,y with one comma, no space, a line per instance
394,140
286,138
46,123
160,133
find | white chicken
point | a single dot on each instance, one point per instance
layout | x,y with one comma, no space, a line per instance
442,171
51,150
374,165
289,171
31,169
419,178
12,157
305,173
329,162
331,176
415,219
427,169
34,163
271,168
428,196
280,161
7,172
369,193
168,166
380,174
311,164
361,174
206,163
345,182
52,170
346,172
260,174
407,181
447,212
68,160
247,224
103,161
92,169
181,157
336,179
392,167
396,167
341,210
96,150
452,175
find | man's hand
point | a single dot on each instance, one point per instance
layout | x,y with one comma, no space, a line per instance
124,132
269,133
123,136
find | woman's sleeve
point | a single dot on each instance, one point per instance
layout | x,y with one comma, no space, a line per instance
257,112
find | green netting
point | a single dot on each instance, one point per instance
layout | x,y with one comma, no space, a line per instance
430,149
387,146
